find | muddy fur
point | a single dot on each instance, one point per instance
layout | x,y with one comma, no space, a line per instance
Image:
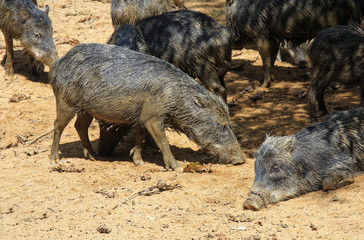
120,86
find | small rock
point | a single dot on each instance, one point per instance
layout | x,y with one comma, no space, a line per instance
334,199
18,97
104,229
253,237
284,225
145,177
11,145
313,227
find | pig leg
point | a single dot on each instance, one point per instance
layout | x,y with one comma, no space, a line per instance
316,93
9,62
82,124
158,134
311,103
140,135
362,89
267,49
64,116
35,67
110,136
273,52
321,103
336,180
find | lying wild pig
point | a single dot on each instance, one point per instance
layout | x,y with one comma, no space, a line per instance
323,156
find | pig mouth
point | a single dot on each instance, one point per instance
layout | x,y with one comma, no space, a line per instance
255,201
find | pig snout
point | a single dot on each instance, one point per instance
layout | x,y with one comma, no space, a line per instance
50,59
256,200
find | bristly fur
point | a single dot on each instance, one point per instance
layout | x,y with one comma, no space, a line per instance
290,166
132,11
121,86
336,55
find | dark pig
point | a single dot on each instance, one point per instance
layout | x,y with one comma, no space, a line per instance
336,55
323,156
295,55
269,22
192,41
23,20
124,87
132,11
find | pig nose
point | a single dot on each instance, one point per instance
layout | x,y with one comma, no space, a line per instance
254,202
249,205
302,64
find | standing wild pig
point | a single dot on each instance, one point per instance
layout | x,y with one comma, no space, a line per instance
269,22
336,55
132,11
323,156
124,87
24,21
191,41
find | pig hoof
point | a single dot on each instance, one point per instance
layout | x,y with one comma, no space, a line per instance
238,162
54,159
266,85
178,169
138,162
9,77
88,155
345,182
53,162
334,182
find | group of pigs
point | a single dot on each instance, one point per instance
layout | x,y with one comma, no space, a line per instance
143,80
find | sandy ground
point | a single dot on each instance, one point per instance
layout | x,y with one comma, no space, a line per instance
116,200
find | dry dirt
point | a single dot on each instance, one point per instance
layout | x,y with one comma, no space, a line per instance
125,200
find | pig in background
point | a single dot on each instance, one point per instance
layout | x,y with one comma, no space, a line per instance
23,20
323,156
191,41
335,55
268,22
124,87
294,54
132,11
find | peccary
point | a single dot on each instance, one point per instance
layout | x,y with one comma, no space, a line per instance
336,55
295,55
23,20
124,87
323,156
132,11
269,22
192,41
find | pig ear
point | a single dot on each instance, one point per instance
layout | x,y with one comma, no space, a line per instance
289,144
25,14
201,102
46,9
229,2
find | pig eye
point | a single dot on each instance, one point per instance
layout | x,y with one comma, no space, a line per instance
275,168
37,35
